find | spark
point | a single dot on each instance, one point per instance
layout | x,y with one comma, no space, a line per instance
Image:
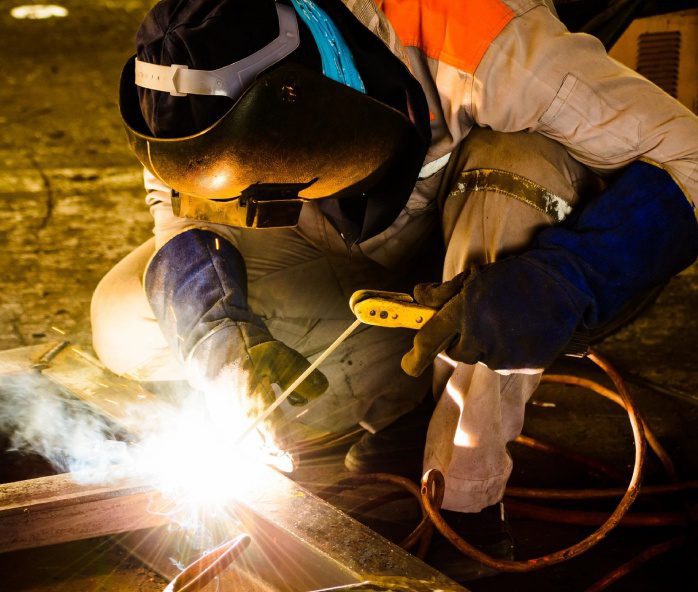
57,330
186,445
218,245
85,356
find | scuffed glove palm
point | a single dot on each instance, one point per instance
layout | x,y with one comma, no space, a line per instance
273,362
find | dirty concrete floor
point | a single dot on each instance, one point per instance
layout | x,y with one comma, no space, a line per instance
72,206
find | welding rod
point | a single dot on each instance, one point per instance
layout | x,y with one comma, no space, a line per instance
287,393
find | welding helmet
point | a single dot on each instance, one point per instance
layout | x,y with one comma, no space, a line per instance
290,134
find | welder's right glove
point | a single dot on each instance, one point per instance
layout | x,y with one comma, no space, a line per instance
197,287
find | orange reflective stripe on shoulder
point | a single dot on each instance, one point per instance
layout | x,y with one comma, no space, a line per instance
457,32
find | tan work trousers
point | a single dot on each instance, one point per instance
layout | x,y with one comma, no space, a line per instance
303,296
302,293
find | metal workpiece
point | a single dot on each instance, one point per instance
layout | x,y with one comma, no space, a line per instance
57,509
298,541
24,360
332,534
385,585
299,544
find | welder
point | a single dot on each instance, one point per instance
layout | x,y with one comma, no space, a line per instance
508,173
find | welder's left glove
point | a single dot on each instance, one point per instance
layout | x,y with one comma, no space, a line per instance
246,351
521,312
508,315
197,287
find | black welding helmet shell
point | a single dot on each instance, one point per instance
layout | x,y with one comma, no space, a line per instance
292,135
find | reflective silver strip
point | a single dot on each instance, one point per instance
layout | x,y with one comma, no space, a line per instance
517,187
230,80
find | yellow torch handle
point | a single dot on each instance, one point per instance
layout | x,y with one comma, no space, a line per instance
389,309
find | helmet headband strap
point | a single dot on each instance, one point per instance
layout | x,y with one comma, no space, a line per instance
228,81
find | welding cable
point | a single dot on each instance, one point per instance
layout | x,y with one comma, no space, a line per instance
662,389
433,486
421,535
607,393
377,502
577,494
595,466
587,518
623,570
433,491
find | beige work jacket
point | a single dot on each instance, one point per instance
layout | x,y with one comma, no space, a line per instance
510,65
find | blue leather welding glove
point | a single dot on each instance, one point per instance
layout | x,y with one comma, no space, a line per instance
197,287
522,311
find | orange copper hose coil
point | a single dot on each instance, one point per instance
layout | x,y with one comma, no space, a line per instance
587,518
433,486
573,494
432,490
592,464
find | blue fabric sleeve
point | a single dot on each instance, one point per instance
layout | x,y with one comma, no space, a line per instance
195,282
521,312
635,235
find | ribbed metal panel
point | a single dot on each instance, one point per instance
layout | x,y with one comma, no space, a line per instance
658,59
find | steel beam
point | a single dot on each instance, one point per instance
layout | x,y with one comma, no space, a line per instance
56,509
300,542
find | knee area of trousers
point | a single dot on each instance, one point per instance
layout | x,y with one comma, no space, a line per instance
112,315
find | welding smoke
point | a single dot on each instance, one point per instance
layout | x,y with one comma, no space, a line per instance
187,443
36,418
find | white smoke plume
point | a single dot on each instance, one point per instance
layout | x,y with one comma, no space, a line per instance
36,418
188,447
188,444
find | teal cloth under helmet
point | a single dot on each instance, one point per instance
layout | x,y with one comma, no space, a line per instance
337,60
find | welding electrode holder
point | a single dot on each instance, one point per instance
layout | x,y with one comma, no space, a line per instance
398,310
389,309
